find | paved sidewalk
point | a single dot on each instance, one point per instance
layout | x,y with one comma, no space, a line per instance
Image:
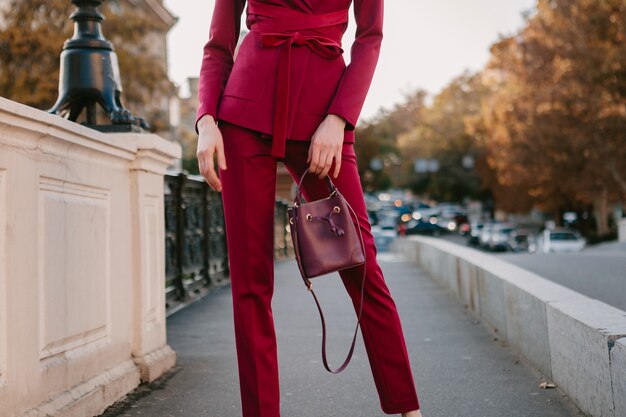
460,368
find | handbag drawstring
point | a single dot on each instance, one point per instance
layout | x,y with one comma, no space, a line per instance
336,229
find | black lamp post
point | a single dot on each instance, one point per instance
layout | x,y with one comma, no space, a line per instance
90,74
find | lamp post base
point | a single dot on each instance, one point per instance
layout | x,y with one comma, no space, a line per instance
121,128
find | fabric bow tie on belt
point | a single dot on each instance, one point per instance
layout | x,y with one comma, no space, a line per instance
280,28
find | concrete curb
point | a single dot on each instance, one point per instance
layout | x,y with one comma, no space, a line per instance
576,341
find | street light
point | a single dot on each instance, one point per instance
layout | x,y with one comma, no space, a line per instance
426,165
90,75
468,161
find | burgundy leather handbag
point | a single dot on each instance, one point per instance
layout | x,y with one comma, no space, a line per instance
325,240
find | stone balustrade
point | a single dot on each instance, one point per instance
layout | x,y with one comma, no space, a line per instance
82,305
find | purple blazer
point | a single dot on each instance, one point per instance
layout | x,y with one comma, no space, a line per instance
242,88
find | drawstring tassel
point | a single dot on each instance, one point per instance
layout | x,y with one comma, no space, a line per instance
335,229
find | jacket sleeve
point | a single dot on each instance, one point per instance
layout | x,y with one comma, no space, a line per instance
217,58
352,89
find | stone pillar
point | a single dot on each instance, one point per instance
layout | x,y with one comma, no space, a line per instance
149,348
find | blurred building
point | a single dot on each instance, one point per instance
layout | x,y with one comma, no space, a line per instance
156,41
156,111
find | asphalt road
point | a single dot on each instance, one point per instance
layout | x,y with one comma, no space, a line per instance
598,271
460,368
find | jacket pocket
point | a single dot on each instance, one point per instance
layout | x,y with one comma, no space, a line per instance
253,69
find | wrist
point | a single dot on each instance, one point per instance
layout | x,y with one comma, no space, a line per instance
338,119
205,121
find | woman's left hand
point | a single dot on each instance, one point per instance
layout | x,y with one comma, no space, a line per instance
326,144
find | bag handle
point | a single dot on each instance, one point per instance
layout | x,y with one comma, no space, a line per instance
331,187
309,286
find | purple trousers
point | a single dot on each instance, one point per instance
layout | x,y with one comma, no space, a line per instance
248,193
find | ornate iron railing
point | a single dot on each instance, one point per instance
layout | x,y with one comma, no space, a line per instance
282,237
196,257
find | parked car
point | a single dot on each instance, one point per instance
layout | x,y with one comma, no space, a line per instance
421,227
445,222
522,241
473,238
383,236
485,235
388,218
499,237
425,214
561,240
454,218
448,208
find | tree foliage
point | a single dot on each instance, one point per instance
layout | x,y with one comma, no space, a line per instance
441,134
556,121
31,40
545,120
377,139
30,44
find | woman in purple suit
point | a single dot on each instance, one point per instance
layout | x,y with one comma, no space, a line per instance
286,94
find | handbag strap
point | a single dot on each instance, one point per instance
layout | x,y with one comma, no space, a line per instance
331,186
309,286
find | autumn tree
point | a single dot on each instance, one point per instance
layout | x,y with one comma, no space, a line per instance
376,140
441,134
556,121
31,39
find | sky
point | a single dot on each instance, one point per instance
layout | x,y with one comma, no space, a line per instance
425,43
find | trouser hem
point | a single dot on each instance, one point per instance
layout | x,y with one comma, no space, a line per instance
398,408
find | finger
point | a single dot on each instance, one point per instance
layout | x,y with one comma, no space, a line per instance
200,163
203,167
221,158
337,164
213,179
209,170
315,159
323,161
328,161
321,166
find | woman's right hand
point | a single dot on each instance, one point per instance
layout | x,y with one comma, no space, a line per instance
210,142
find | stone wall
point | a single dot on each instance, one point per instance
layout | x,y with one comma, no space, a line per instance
576,341
82,318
